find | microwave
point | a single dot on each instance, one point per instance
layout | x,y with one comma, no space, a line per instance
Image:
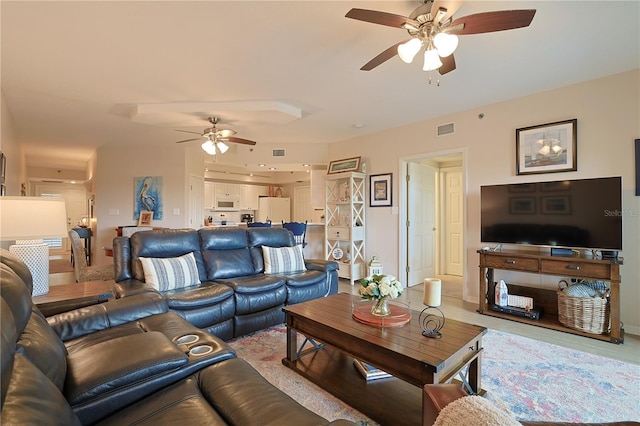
225,203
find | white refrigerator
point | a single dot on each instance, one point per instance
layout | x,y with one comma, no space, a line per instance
275,209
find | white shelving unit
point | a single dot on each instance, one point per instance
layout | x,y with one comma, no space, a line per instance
345,223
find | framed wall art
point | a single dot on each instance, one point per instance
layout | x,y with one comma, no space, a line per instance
145,218
148,196
346,165
380,190
547,148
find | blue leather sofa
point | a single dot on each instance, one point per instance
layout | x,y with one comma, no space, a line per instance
235,296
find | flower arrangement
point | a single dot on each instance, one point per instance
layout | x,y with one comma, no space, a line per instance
379,286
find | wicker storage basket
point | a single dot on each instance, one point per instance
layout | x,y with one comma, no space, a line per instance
588,314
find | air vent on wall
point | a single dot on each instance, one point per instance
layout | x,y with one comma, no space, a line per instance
445,129
278,152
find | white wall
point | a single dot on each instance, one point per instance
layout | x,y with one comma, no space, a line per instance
118,165
607,110
15,173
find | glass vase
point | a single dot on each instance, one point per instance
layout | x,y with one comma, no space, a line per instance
380,307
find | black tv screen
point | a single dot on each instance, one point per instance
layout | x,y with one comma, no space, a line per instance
582,213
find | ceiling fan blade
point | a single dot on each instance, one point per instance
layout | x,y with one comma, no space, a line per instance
240,140
188,131
382,18
487,22
225,133
451,6
189,140
448,65
383,57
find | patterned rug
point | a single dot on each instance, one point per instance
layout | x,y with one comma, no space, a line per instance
535,380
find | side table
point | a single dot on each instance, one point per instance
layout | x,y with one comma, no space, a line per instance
66,297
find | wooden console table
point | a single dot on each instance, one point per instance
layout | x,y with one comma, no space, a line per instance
66,297
576,267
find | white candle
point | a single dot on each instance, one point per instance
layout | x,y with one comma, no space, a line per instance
432,291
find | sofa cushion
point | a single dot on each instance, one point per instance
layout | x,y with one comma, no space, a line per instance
283,260
163,243
206,294
225,252
170,273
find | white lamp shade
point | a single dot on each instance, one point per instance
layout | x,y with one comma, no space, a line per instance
431,60
209,147
407,51
32,218
223,147
445,43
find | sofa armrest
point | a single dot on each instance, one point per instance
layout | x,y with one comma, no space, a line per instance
436,397
79,322
321,265
131,287
124,361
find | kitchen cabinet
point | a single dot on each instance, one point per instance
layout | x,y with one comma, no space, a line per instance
227,189
345,223
209,196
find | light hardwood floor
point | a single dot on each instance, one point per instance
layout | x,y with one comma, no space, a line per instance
456,308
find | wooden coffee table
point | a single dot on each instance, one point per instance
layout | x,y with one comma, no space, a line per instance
413,360
65,297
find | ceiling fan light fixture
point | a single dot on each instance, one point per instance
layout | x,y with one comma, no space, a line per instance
209,147
223,147
407,51
445,43
431,60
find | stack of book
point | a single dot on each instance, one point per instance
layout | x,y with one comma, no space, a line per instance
368,371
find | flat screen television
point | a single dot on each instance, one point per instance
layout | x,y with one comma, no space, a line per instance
581,213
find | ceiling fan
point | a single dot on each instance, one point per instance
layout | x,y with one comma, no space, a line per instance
432,27
215,138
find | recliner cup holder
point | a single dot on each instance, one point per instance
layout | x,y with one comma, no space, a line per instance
187,339
201,350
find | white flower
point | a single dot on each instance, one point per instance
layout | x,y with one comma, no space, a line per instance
379,286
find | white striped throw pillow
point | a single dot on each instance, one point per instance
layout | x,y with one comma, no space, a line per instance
170,273
280,260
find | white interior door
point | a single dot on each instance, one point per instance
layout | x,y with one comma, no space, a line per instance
421,229
453,221
196,201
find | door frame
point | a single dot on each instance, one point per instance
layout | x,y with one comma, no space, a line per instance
402,211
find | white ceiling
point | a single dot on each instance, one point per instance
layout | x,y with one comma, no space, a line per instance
74,73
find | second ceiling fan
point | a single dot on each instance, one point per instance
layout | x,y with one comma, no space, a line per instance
215,139
433,28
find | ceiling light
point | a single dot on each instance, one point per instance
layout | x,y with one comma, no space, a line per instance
272,168
431,59
209,147
445,43
261,165
222,147
306,165
407,51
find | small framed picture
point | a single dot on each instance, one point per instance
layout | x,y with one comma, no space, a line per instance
146,217
346,165
556,205
380,190
547,148
522,205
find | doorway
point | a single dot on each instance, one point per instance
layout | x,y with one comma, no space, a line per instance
432,230
75,197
